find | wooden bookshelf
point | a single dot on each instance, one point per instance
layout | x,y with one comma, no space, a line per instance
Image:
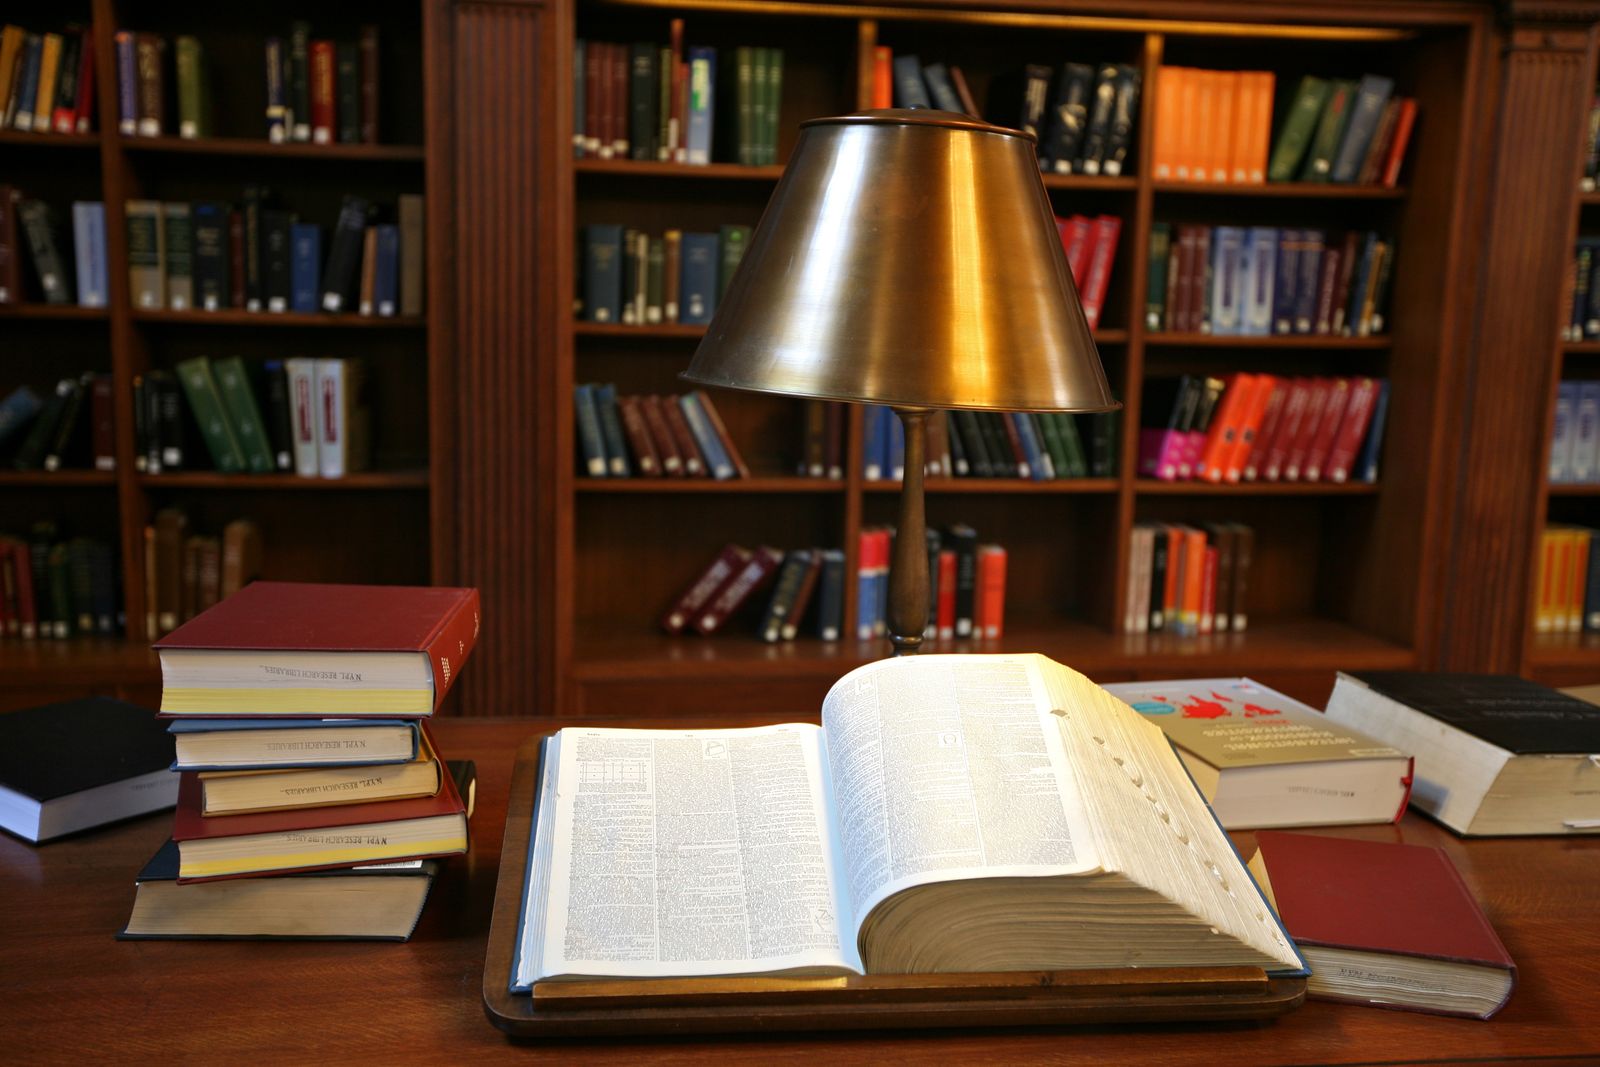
262,148
1281,190
273,320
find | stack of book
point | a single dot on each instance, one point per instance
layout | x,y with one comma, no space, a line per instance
305,416
70,429
1258,426
653,436
1260,280
187,572
56,587
1188,580
634,279
664,102
258,256
1568,585
47,80
300,720
1575,443
31,235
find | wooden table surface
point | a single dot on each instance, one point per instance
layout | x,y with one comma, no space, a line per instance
69,990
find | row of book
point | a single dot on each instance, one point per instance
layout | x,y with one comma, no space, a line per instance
46,80
1583,293
1040,446
29,237
630,277
1575,443
1250,427
1568,586
807,593
653,436
186,572
1258,281
662,102
305,416
54,587
1216,126
1091,248
1188,580
1591,148
317,90
71,428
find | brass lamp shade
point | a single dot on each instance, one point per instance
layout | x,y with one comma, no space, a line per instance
908,258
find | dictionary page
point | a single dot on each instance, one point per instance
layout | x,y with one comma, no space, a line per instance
690,852
949,767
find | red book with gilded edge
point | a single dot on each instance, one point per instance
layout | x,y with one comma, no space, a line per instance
189,824
441,622
1361,911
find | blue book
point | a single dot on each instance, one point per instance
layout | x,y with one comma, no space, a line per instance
602,272
1367,465
590,442
1030,444
874,443
1286,280
909,88
1227,274
866,602
29,58
351,756
697,278
605,402
305,259
386,270
702,103
1306,294
937,77
1371,96
20,407
718,462
1587,440
127,88
89,248
894,459
830,596
1261,269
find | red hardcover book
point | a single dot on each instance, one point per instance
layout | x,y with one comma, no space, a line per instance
9,625
289,643
1251,421
969,103
1295,403
1077,241
1327,428
235,259
27,607
384,831
1107,228
644,449
369,84
1180,291
101,403
882,76
1320,391
1403,124
83,107
323,97
1385,924
990,621
620,69
722,432
683,437
1327,288
706,586
1352,429
593,56
655,418
755,573
1200,280
1271,419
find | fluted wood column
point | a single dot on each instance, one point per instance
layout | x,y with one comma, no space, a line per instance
1546,84
491,211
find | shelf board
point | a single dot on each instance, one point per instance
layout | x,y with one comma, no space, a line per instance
774,484
606,653
52,311
1581,348
54,479
1001,485
1317,341
1578,489
1585,199
1565,650
1122,182
1156,487
237,317
644,169
1284,190
410,479
673,330
50,140
257,148
78,661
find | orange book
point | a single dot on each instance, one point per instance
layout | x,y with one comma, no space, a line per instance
1241,128
1249,427
1187,117
1224,431
1229,139
1168,120
1547,551
882,76
1194,576
1558,581
1577,571
1397,146
1206,128
991,591
1170,594
1264,83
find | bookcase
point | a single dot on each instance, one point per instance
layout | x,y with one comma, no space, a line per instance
1342,575
375,526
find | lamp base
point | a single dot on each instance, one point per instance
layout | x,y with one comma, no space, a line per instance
908,574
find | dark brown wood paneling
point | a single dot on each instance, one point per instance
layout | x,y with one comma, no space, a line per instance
492,213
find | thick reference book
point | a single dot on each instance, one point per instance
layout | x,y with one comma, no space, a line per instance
259,744
1496,754
84,763
240,792
1385,924
315,650
953,813
277,842
1264,759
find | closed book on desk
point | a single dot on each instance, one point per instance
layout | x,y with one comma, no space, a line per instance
1264,759
67,767
1496,754
315,651
1385,924
239,792
256,744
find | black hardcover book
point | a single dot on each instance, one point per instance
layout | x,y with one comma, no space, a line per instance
960,464
210,235
1101,107
278,412
1158,579
642,100
342,272
41,435
1068,118
103,588
1124,110
51,266
784,591
275,252
1102,435
1035,94
347,82
964,542
1508,712
141,424
935,543
298,83
254,290
84,763
69,444
67,75
830,595
171,419
1002,459
974,443
80,585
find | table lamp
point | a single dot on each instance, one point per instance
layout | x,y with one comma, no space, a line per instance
907,258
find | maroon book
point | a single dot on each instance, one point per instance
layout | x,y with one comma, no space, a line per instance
1386,924
441,623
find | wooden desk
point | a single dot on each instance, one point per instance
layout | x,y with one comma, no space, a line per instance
68,989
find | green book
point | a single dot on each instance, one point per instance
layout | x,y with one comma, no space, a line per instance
1050,438
190,62
745,98
244,414
1295,135
666,71
206,402
655,281
733,242
774,102
1077,466
1318,166
58,570
1155,295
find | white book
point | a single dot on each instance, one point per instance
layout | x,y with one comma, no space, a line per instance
301,373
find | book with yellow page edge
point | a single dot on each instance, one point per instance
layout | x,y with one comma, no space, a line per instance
239,792
953,814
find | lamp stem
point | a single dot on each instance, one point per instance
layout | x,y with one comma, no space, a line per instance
908,576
